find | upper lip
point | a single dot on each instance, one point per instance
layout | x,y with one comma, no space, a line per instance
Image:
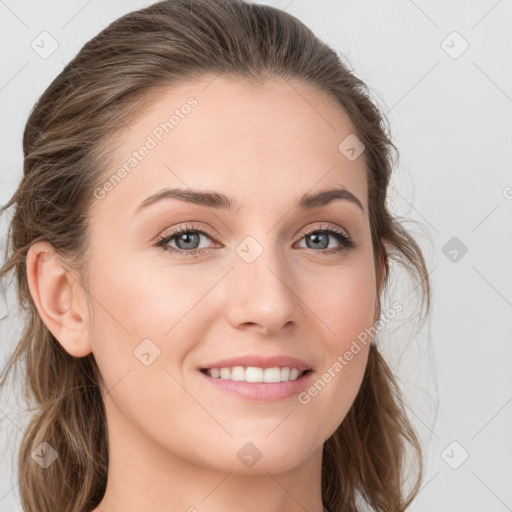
261,362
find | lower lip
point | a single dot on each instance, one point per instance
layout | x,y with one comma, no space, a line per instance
263,391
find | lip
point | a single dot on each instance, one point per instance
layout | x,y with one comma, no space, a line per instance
261,362
261,391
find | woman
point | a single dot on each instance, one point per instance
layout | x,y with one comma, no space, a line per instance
246,377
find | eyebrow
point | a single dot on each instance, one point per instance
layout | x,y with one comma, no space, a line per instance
221,201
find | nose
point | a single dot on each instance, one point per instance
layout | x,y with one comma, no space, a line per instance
261,293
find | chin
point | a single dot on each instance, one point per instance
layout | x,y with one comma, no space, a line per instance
260,457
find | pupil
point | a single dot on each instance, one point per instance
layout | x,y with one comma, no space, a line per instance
315,237
185,237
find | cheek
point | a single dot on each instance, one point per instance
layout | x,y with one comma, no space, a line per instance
144,297
343,300
354,311
135,302
343,303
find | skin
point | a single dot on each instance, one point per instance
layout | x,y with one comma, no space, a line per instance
174,437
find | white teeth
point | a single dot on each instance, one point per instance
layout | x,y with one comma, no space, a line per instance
272,375
237,373
255,374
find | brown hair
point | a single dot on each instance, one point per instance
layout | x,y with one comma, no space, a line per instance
106,85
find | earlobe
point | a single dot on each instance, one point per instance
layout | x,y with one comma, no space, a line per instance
57,297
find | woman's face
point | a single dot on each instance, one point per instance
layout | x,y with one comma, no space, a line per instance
252,283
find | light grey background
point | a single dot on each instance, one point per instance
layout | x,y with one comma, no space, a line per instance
450,117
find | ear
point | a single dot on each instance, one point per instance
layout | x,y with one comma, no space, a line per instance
59,298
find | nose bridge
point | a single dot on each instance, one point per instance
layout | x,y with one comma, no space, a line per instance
262,281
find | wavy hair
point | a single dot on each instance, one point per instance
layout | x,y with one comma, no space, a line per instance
106,85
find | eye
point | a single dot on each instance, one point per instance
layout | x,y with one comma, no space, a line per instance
319,239
188,238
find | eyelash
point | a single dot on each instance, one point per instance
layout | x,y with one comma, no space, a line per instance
345,240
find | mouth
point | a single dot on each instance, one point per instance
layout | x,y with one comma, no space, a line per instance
280,386
256,375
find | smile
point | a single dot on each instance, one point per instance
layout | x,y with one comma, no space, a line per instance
282,382
255,374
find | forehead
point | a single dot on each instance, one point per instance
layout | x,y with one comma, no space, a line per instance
259,143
